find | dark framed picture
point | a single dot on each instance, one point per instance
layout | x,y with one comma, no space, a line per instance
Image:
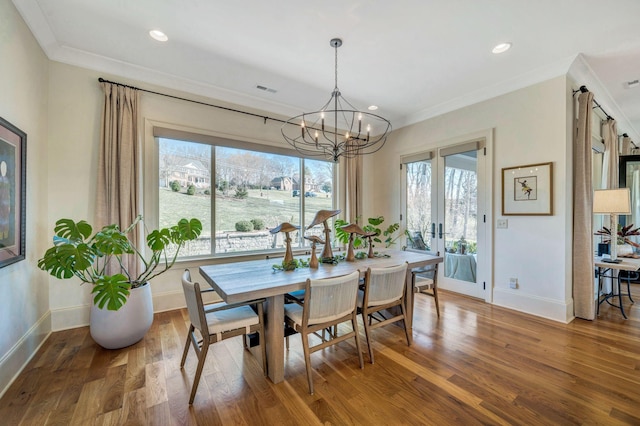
13,193
527,190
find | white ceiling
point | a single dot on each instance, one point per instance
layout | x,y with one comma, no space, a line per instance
413,58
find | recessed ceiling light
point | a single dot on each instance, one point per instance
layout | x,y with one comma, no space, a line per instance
372,107
158,35
501,48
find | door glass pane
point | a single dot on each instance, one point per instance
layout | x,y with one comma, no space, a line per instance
419,204
461,214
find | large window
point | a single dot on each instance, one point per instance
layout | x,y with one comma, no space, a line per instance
239,194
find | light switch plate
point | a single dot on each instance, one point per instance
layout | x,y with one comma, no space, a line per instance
502,223
513,283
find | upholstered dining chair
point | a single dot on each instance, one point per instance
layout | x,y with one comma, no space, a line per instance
328,302
216,322
384,288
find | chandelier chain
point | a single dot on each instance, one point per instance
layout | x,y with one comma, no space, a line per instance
335,48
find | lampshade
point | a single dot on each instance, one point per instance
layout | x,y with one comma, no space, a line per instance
612,201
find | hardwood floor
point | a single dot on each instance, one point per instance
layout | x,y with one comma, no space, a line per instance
478,364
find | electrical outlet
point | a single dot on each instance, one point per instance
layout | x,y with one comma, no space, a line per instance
502,223
513,283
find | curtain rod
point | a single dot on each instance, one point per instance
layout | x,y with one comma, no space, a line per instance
583,89
264,117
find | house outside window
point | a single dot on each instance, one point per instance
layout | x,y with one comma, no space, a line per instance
239,194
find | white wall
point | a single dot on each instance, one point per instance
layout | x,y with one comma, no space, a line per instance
529,126
24,305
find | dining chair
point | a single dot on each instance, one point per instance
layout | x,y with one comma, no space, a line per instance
216,322
328,302
425,280
384,288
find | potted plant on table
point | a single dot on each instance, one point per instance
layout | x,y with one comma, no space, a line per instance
122,309
372,227
624,243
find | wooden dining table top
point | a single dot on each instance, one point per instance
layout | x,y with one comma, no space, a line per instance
254,279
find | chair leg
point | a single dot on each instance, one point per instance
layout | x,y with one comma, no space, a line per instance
367,334
435,296
407,332
186,346
307,360
354,324
196,378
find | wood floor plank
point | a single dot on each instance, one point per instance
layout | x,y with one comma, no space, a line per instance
155,384
476,364
134,408
89,404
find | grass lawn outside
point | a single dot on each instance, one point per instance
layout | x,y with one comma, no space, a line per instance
272,206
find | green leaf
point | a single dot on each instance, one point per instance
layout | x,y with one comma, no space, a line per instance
70,230
341,235
51,263
375,221
111,291
159,239
61,261
110,240
189,229
391,229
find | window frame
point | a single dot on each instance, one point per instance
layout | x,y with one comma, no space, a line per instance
152,184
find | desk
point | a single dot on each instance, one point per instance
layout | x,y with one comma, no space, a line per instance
602,268
242,281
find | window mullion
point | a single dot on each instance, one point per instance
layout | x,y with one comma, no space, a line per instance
214,188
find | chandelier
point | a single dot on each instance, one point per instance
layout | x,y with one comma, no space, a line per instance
338,129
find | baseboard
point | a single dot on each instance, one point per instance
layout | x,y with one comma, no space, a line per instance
556,310
14,361
72,317
78,316
168,301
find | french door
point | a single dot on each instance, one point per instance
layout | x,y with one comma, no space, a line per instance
444,211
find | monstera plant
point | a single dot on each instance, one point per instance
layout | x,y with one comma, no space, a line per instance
78,252
374,224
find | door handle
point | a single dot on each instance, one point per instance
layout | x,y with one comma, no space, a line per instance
433,229
440,230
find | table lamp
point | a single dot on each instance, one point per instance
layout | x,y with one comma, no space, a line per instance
612,202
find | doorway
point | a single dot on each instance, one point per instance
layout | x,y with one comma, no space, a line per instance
445,195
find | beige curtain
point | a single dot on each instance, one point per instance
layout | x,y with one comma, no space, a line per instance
610,159
626,146
583,267
353,190
117,189
611,155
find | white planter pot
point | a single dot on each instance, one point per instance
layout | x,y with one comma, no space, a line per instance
126,326
624,250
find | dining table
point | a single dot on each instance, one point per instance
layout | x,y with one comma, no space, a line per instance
257,279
